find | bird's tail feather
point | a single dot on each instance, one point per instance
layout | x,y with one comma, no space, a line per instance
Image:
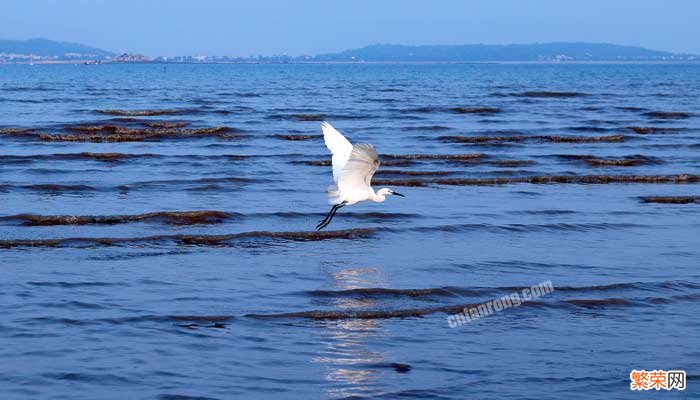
333,195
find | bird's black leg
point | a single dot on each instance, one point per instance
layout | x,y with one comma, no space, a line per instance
323,222
329,214
333,214
329,217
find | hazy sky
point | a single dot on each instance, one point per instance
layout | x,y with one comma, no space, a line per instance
242,27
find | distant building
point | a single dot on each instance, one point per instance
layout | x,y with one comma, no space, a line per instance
131,58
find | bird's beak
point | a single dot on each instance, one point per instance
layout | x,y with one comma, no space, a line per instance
397,194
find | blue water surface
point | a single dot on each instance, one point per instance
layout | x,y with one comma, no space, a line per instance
108,292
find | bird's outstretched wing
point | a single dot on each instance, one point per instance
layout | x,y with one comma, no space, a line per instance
359,169
340,147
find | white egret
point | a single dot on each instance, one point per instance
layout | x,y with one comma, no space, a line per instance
353,168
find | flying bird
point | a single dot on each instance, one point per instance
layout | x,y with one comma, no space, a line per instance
353,168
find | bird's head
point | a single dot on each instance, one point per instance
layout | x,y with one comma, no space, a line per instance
383,192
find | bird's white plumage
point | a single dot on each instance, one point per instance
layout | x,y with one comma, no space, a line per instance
353,169
339,147
357,173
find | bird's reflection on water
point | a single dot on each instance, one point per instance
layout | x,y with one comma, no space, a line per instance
346,354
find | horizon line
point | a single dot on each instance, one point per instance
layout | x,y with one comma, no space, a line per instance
360,47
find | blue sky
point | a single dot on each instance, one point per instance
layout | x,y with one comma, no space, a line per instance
242,28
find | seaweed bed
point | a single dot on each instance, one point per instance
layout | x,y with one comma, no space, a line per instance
298,137
122,130
167,217
670,199
476,110
456,110
104,157
546,94
668,114
650,130
145,113
189,240
469,156
393,172
628,161
124,134
447,309
545,179
532,138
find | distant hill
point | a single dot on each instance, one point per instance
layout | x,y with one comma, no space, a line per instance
512,52
49,49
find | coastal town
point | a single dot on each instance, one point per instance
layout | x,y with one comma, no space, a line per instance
93,59
71,58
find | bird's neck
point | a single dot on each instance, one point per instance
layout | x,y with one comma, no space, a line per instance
377,198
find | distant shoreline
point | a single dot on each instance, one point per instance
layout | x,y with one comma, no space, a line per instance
83,62
44,51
